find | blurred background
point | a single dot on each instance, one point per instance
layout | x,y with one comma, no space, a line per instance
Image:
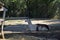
48,9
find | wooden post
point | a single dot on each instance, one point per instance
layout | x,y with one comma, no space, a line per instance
2,32
2,22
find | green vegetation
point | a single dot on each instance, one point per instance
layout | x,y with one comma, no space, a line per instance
33,8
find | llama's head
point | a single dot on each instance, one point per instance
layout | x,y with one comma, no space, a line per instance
27,20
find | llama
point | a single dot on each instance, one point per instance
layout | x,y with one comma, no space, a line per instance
36,27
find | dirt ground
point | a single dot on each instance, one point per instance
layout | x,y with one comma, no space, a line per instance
34,21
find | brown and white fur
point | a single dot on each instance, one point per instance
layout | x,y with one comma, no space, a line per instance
42,25
36,26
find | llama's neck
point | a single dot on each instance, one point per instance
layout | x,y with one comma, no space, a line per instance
29,21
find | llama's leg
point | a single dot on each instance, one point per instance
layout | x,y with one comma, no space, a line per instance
37,29
47,27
